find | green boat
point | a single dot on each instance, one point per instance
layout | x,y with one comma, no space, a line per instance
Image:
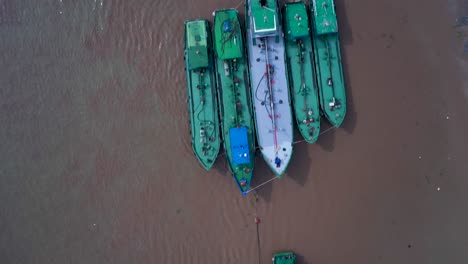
203,106
301,68
234,98
284,258
328,64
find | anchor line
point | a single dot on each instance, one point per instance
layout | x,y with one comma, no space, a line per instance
258,246
294,143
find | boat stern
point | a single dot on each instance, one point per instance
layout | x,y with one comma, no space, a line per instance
264,18
196,43
228,40
296,20
324,17
284,258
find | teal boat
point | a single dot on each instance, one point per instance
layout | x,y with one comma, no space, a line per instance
203,106
234,98
268,76
301,68
284,258
328,65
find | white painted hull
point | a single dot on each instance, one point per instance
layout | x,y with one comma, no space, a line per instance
274,132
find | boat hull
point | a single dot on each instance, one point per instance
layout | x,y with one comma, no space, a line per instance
328,64
284,258
270,93
202,101
301,69
235,104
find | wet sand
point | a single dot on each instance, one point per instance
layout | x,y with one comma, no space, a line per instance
96,164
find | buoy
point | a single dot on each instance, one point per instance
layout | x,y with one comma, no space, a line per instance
257,220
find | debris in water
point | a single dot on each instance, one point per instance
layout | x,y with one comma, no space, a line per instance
438,188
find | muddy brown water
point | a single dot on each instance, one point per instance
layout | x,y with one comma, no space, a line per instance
96,164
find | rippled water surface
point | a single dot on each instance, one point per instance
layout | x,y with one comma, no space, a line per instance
96,164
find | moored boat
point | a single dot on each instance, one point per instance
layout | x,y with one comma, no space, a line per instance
284,258
269,85
300,61
202,101
328,64
234,96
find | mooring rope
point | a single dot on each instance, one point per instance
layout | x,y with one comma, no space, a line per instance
258,245
238,5
260,185
295,142
274,178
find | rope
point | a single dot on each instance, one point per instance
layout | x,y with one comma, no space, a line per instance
274,178
260,185
238,5
295,142
323,132
258,244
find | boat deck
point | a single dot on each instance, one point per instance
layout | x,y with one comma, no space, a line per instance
270,97
234,97
299,52
203,107
328,64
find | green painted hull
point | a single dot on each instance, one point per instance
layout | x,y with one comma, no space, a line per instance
233,90
301,69
284,258
202,101
328,64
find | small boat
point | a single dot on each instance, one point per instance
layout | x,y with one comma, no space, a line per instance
300,61
234,96
268,77
203,105
328,65
284,258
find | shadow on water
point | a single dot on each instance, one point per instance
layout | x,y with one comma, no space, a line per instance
262,173
327,138
349,123
346,34
300,165
346,39
300,259
221,166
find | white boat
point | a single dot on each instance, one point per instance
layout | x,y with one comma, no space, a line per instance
270,93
